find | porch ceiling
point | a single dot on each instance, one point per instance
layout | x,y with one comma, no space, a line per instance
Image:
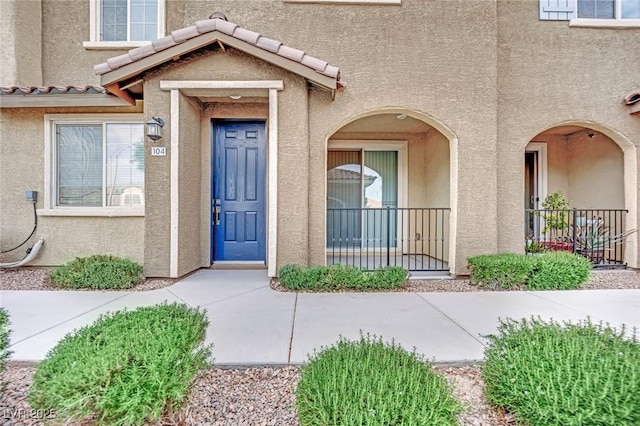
387,123
561,130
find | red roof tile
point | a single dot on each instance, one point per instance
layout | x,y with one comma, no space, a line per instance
51,90
225,27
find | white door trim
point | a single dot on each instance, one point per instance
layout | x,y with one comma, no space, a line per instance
541,149
193,88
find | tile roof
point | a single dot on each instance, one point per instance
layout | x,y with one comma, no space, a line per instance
51,90
218,22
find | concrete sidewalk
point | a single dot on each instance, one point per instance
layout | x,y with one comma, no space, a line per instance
250,324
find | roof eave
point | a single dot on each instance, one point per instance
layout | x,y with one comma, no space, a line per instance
61,100
131,70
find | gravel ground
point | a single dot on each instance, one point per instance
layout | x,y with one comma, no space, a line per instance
254,396
599,280
264,396
38,279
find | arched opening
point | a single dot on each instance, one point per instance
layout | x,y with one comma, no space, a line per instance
594,169
389,192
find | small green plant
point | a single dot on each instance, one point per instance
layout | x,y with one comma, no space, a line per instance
559,270
556,218
546,373
341,277
127,368
502,270
534,247
592,235
369,382
98,272
4,345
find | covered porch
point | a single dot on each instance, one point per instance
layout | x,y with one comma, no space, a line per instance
388,195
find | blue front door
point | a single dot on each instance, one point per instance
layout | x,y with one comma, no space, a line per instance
238,204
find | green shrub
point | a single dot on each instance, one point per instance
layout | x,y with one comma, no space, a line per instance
559,270
98,272
368,382
4,345
549,271
571,374
126,368
503,270
341,277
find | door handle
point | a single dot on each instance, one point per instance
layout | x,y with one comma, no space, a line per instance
216,217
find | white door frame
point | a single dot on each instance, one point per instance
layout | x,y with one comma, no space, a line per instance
195,88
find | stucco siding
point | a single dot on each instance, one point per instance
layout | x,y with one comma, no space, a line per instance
22,141
596,178
65,26
550,73
21,47
488,77
189,248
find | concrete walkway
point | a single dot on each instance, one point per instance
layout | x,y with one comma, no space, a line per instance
250,324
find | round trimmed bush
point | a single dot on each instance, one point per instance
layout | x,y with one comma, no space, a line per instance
547,373
502,270
559,271
127,368
369,382
98,272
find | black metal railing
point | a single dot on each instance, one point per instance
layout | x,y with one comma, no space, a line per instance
597,234
370,238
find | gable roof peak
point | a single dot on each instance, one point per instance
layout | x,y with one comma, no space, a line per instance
207,31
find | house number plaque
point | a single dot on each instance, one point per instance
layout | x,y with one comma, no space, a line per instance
158,151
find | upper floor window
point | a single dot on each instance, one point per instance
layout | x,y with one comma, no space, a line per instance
125,23
95,162
609,9
592,13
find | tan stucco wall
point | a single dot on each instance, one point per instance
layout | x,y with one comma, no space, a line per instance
410,58
596,178
190,190
21,46
22,142
490,85
550,73
65,25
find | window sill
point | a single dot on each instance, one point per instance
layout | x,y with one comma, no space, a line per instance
113,45
378,2
91,212
604,23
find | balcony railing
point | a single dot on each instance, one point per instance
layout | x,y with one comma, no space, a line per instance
597,234
370,238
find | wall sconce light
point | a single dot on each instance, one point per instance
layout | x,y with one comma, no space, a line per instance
154,128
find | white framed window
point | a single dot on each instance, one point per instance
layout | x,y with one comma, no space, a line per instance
125,23
592,13
364,177
94,165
